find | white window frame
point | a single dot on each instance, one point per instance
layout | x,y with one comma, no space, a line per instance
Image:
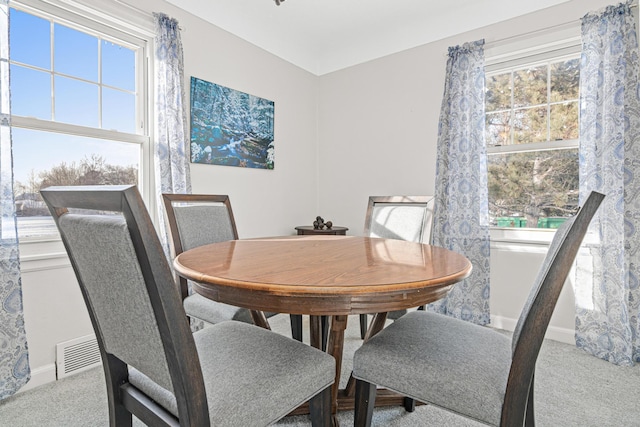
558,43
124,24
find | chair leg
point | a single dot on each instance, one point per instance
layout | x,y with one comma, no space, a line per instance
320,408
324,321
296,326
116,373
409,404
364,325
365,402
529,417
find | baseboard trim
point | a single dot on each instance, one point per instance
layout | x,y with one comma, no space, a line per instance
554,333
40,376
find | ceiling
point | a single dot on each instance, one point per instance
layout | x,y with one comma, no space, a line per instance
322,36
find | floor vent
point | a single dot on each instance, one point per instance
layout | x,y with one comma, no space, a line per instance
77,355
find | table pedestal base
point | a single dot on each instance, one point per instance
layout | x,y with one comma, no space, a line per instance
345,402
344,399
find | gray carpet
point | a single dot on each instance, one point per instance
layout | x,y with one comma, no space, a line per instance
573,389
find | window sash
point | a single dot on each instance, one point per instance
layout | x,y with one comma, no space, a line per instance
514,66
138,37
68,128
81,23
533,146
528,52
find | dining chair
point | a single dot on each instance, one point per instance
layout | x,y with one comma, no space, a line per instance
397,217
469,369
200,219
229,374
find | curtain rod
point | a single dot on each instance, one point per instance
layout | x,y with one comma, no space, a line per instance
565,25
145,13
134,8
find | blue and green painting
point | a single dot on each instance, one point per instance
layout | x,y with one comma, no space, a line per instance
229,127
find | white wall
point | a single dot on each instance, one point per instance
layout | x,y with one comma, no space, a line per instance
53,307
366,130
378,121
264,202
378,127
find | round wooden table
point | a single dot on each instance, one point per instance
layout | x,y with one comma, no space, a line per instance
324,276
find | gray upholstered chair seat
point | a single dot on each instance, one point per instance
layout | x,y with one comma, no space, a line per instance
465,368
245,375
231,373
214,312
395,315
448,362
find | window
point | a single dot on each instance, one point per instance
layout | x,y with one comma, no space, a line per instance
532,142
78,100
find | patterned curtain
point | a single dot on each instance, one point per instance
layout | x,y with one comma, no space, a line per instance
461,212
14,357
172,135
607,289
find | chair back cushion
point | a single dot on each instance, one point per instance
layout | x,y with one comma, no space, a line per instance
409,220
109,271
202,224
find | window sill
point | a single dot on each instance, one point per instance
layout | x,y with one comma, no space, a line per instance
45,253
528,236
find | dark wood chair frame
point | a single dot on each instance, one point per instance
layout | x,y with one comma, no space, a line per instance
183,362
176,247
176,243
184,365
391,200
518,406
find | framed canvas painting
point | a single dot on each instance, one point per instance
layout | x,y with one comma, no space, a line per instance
229,127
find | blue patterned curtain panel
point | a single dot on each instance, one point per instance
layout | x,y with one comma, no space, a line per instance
14,357
461,213
606,287
171,133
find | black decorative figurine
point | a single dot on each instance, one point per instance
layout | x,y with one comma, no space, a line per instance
319,224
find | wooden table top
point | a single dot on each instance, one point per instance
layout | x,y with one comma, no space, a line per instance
328,275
